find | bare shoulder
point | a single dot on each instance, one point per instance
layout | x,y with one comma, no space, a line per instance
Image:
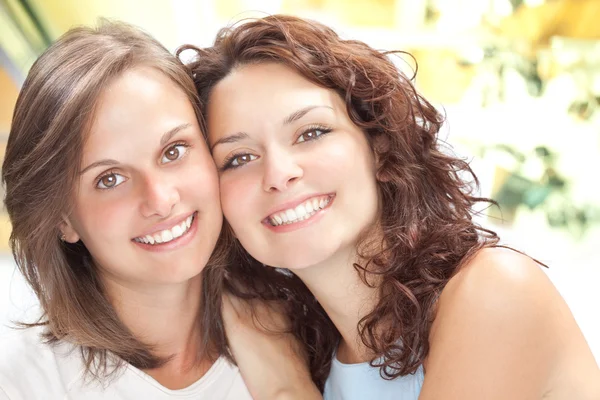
497,294
499,276
498,287
506,331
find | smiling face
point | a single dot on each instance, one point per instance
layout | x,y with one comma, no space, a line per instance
147,204
297,176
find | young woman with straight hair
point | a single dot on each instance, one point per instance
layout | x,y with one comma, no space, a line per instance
114,204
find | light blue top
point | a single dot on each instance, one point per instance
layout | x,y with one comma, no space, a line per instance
363,382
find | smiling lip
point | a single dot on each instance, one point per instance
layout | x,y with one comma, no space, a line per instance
283,221
294,204
175,243
165,225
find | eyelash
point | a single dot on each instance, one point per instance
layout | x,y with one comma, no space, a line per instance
324,131
113,172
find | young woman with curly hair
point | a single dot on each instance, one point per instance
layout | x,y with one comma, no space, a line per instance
331,170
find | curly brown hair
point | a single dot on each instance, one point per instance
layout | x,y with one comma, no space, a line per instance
427,195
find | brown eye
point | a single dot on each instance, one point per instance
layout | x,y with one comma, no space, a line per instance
312,134
110,181
173,153
308,135
242,159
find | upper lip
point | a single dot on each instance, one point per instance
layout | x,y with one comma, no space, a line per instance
166,225
294,203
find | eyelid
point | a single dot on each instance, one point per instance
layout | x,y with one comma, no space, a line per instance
316,126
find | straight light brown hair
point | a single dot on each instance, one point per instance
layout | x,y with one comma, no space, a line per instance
53,113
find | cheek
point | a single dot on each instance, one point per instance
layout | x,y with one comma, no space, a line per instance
102,219
350,167
346,158
201,181
237,196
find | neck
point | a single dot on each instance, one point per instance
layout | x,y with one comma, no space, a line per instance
162,316
346,298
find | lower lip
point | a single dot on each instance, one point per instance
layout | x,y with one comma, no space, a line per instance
302,224
175,243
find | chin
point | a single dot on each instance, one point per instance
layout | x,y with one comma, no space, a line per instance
299,261
181,275
186,267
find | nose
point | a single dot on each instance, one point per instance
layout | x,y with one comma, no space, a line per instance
281,170
159,195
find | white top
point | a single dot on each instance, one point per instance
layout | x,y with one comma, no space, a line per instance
30,369
363,382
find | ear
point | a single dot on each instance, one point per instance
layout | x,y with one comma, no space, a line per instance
68,231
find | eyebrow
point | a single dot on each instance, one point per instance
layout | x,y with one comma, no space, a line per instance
163,140
296,115
172,132
236,137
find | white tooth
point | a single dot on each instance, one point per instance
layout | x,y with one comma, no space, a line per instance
315,204
158,238
284,217
183,227
278,219
176,231
167,236
188,221
149,239
309,207
322,203
300,211
291,214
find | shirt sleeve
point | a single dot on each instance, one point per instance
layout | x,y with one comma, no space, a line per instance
3,395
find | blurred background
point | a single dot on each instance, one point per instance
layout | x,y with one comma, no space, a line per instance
519,81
